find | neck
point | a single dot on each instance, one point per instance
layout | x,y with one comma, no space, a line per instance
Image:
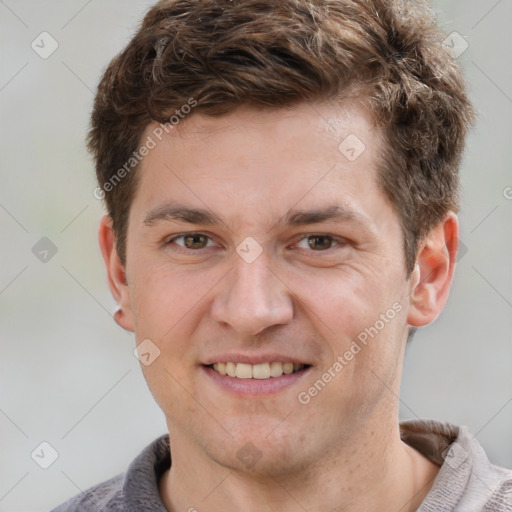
371,470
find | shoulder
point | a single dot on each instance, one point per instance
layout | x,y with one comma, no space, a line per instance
489,486
501,498
467,480
134,490
106,496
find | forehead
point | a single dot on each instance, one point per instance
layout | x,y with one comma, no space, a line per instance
330,122
263,159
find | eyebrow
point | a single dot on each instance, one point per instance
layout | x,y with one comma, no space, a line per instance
182,213
177,212
334,212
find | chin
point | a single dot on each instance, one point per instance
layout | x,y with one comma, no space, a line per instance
266,449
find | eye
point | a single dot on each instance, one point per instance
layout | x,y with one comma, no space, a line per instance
319,242
192,241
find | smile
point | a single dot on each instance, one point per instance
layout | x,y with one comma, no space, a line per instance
256,371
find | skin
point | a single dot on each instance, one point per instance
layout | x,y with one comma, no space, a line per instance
341,451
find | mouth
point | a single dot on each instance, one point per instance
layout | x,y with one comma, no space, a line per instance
255,375
261,371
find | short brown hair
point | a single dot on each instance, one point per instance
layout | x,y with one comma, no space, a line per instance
271,54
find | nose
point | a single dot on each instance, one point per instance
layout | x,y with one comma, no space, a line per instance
252,298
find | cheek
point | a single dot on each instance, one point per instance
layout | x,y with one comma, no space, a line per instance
361,318
168,306
340,301
166,298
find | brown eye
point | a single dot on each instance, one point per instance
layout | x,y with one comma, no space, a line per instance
320,242
192,241
195,241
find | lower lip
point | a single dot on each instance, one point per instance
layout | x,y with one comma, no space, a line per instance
255,387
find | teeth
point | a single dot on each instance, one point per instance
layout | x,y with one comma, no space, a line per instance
243,371
276,369
230,369
261,371
287,368
256,371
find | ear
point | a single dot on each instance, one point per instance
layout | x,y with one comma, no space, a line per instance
115,273
432,276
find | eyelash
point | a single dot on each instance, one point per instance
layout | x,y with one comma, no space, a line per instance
338,241
169,241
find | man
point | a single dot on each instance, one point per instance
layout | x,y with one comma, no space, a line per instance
281,180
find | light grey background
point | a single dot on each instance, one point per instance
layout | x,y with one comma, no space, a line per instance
67,372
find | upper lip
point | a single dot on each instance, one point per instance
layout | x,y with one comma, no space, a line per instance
253,358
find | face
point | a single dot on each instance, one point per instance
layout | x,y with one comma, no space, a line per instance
258,243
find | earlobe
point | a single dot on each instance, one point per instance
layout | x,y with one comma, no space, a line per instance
433,274
116,273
